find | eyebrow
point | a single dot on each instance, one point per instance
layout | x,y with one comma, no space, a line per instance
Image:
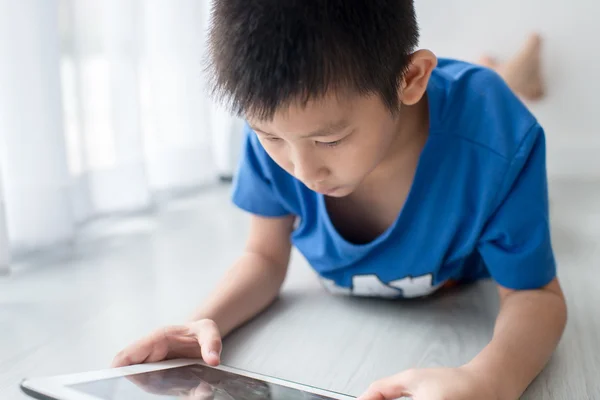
330,129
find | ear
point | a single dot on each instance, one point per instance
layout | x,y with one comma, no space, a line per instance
414,83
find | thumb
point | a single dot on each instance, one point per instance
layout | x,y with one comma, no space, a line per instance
209,339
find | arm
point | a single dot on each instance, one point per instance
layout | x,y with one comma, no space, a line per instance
248,287
527,331
528,328
516,248
255,279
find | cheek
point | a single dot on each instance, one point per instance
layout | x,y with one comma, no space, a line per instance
351,165
364,155
371,150
382,140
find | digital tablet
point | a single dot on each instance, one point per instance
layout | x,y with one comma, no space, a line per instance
170,380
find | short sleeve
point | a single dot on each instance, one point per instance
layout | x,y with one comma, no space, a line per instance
253,188
515,244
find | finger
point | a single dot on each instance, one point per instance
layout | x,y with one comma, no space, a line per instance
139,351
157,353
394,387
380,392
371,395
129,356
167,338
132,354
209,339
135,353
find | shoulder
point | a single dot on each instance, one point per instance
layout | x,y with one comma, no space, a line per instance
477,107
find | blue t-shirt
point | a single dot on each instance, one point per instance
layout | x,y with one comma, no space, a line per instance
478,205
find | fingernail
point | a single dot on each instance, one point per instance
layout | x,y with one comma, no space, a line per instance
214,353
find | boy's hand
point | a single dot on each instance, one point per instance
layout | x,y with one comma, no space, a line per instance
199,339
431,384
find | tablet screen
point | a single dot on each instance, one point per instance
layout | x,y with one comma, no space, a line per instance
192,382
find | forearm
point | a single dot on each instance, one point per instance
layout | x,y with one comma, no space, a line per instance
528,329
249,286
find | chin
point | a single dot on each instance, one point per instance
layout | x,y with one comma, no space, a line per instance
340,192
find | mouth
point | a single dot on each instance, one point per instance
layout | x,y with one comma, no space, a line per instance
327,191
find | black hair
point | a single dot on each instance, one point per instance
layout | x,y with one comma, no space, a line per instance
265,54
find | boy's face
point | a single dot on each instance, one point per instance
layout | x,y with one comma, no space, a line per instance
331,144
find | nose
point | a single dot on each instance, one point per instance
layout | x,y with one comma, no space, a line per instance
309,169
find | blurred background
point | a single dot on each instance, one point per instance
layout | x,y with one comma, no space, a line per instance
103,110
114,214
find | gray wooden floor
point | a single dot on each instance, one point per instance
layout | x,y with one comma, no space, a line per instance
73,310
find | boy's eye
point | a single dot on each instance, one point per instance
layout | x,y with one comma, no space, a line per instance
330,144
336,142
272,138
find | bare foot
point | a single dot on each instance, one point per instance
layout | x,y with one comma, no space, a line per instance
523,72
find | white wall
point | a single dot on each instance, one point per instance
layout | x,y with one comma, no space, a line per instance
466,28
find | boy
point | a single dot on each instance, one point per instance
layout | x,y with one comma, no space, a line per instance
394,173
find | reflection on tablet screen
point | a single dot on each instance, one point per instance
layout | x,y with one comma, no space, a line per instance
192,382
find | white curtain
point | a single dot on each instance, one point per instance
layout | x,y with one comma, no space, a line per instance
102,107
